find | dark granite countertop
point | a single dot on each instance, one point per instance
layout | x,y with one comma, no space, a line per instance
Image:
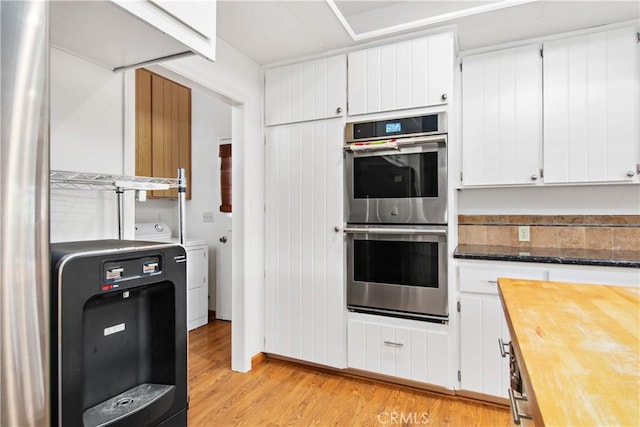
611,258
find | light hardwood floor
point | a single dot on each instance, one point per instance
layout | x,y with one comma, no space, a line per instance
277,392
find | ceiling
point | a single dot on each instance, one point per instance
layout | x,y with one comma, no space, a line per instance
275,31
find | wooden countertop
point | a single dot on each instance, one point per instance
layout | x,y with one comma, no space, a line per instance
578,348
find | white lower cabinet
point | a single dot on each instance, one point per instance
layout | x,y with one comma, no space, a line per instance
401,348
596,275
482,323
197,286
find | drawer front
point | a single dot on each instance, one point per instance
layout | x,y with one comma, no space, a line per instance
485,280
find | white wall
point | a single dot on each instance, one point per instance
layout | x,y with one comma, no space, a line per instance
210,121
86,136
565,200
237,77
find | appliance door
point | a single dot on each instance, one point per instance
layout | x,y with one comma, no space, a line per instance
24,222
407,185
398,271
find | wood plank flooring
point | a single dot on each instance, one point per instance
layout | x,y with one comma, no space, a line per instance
282,393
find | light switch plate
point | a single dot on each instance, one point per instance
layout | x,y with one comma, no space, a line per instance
523,233
207,216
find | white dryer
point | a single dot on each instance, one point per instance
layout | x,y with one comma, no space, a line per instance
197,269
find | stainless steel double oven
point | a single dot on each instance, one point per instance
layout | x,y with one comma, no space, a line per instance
396,211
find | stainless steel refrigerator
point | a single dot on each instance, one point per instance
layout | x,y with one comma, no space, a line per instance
24,210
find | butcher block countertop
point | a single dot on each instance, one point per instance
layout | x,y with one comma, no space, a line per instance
578,349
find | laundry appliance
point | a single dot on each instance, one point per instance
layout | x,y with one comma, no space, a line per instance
197,269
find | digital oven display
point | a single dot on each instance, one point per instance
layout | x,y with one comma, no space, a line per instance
393,127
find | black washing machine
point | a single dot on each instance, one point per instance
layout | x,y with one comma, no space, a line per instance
119,334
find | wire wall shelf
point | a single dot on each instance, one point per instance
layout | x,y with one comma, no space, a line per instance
93,181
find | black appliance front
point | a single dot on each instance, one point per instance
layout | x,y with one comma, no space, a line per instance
119,334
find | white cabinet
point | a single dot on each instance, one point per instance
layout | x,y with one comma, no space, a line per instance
591,108
409,74
197,285
304,278
192,23
482,323
502,117
615,276
400,348
306,91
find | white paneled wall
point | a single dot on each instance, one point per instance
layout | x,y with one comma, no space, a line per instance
304,292
502,117
305,91
591,107
402,75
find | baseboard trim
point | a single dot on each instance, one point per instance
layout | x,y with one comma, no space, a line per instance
387,379
257,359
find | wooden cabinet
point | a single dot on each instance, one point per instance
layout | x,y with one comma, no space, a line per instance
409,74
197,285
502,117
192,23
163,129
591,108
304,277
482,323
400,348
306,91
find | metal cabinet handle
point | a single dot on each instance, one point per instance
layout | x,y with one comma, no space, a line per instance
513,403
534,177
631,174
443,97
336,229
493,282
394,344
502,345
338,110
223,239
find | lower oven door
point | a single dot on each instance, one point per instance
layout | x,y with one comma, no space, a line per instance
399,271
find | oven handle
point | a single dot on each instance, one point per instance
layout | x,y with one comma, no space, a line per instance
393,231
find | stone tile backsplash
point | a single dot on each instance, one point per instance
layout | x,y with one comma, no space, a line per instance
619,232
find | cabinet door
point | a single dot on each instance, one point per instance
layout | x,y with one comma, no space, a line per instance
306,91
163,130
304,289
482,323
502,117
197,287
410,74
591,108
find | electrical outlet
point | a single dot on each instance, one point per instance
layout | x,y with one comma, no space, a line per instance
523,233
207,216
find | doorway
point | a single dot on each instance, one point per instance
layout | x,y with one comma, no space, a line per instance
223,257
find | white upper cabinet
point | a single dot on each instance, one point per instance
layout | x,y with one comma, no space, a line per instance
124,33
502,117
409,74
306,91
591,114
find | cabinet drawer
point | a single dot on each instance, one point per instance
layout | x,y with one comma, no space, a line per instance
485,280
405,349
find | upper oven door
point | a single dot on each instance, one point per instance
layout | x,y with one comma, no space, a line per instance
404,185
